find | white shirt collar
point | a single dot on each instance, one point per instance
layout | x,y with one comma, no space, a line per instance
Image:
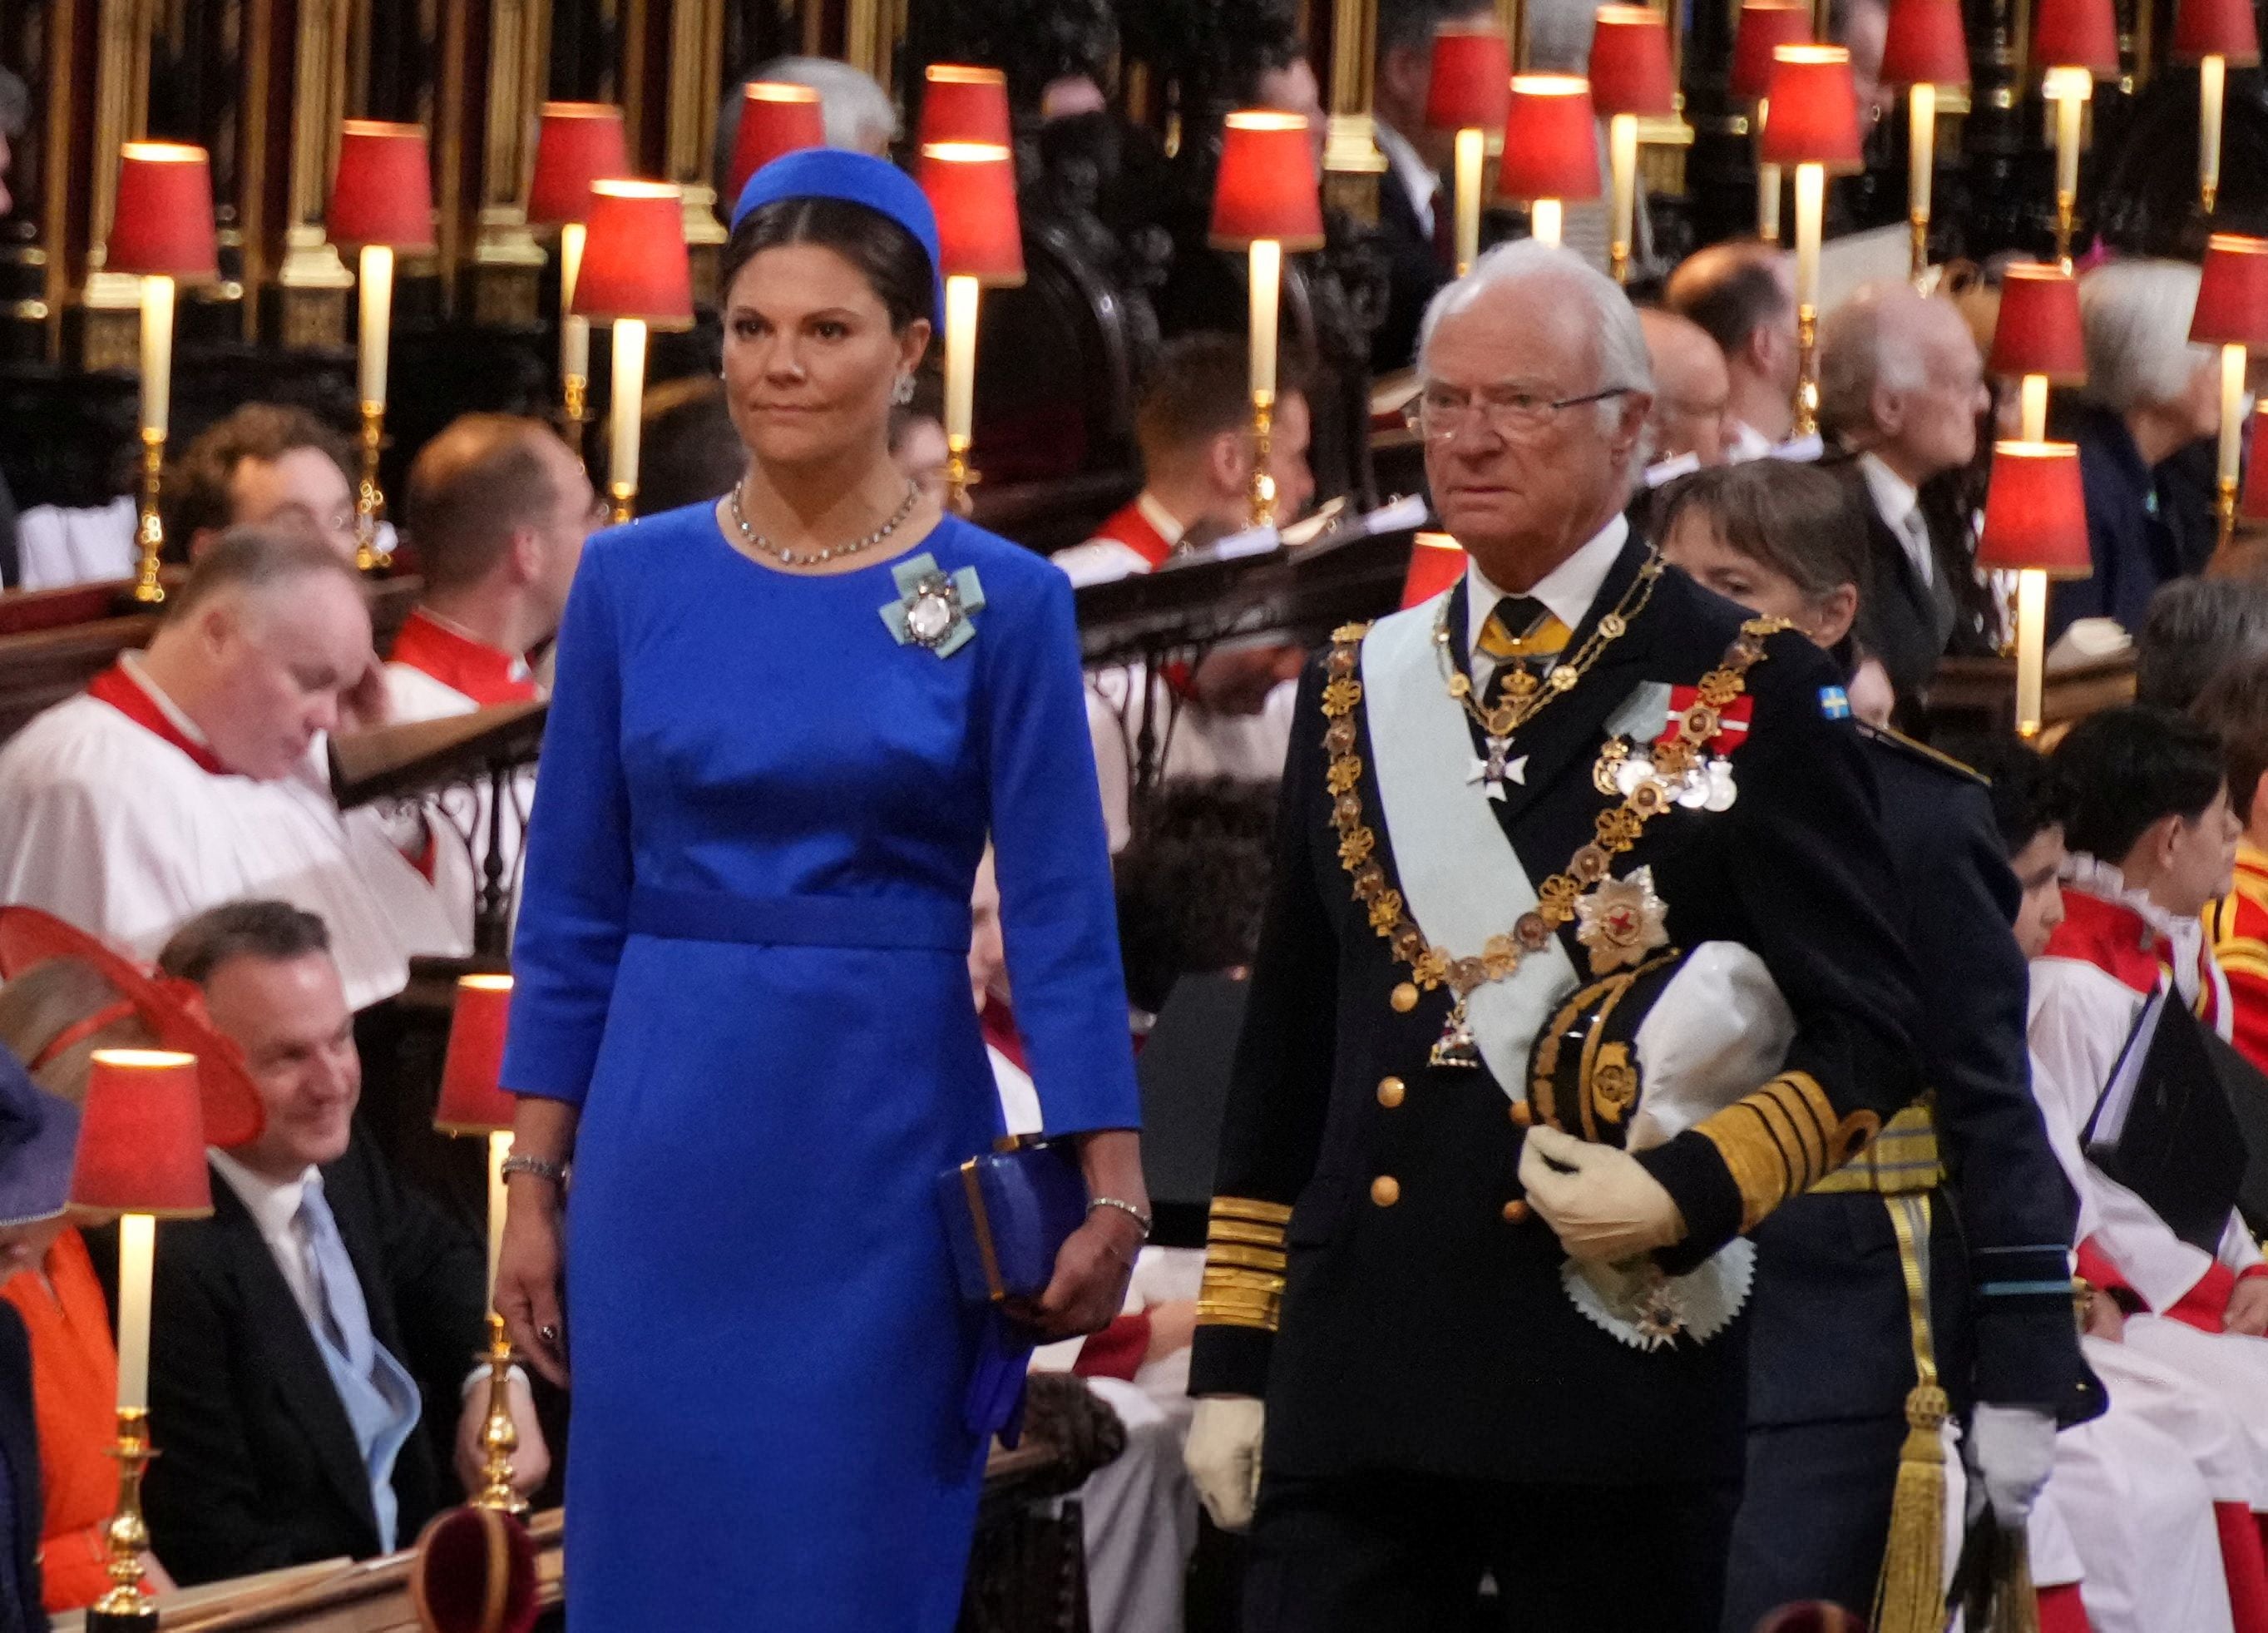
1567,590
130,663
1744,442
1418,179
272,1203
1169,528
1899,504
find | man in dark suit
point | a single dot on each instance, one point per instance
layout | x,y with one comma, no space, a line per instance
313,1337
1417,216
1900,390
1572,761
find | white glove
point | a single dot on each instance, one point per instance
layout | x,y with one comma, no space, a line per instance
1608,1210
1223,1457
2010,1451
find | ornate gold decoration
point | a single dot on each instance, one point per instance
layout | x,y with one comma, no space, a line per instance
149,528
1614,1081
1245,1260
370,499
1527,699
1621,919
126,1604
499,1437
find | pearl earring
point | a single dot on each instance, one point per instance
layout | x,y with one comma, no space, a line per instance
904,394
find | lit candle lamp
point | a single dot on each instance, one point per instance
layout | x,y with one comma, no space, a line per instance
1265,201
775,119
972,188
634,273
1467,93
2077,43
576,145
963,103
1924,49
1765,27
2213,33
1550,149
2038,339
1631,80
381,202
2232,313
2036,526
1815,127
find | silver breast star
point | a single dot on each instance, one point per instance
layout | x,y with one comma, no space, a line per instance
1498,767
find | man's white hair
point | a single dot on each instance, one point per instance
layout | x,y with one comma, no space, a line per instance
1866,342
1624,364
2136,318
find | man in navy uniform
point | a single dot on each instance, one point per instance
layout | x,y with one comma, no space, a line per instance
1455,1319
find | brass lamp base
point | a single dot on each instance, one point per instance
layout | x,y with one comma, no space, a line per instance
126,1607
2065,222
960,476
1263,480
1806,371
2224,510
575,410
150,529
370,499
500,1439
624,498
1918,261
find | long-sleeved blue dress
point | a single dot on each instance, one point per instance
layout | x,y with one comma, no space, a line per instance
741,951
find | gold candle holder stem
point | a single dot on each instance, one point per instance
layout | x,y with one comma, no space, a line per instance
149,528
125,1608
1263,479
623,498
2224,512
499,1437
1918,236
960,476
575,405
370,499
1807,370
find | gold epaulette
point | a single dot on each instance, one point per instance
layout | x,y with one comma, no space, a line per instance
1903,1161
1244,1264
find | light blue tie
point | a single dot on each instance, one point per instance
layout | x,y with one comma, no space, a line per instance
381,1398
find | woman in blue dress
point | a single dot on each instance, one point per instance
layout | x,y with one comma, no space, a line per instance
783,728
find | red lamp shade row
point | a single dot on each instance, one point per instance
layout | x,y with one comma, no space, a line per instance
1436,562
2231,298
2036,511
164,224
2252,504
576,145
2077,33
1471,78
634,260
471,1102
383,190
775,119
963,104
1267,187
1765,25
1550,140
141,1138
972,188
2216,28
1630,62
1814,109
2038,329
1926,44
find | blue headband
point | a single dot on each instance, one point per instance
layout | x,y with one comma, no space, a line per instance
856,179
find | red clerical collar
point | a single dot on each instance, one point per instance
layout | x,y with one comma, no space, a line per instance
487,675
1131,528
2112,937
129,697
998,1021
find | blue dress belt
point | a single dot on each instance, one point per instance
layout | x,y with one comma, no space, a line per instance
886,923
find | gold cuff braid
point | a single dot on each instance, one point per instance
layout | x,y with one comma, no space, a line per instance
1244,1264
1781,1139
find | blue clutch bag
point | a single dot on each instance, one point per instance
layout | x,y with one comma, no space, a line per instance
1007,1213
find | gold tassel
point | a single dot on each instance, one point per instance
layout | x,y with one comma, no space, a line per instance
2015,1605
1911,1596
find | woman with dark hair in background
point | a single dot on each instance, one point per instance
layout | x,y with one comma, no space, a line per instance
785,724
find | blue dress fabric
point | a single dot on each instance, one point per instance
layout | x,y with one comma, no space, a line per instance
769,1355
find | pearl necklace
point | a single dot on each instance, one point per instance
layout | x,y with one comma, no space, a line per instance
811,559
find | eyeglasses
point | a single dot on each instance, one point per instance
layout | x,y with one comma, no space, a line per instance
1510,412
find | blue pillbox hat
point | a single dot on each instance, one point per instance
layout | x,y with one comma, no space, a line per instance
856,178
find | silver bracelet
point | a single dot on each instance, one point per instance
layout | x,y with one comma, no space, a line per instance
539,1167
1127,1208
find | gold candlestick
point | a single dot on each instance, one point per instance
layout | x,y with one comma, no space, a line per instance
126,1607
499,1438
1263,480
370,499
150,529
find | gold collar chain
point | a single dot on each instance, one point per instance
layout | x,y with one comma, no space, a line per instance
1526,698
1615,829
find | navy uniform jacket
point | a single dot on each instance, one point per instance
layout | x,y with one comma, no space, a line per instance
1433,1334
1830,1334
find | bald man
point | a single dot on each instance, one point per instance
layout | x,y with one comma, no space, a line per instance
1743,294
1901,388
1692,393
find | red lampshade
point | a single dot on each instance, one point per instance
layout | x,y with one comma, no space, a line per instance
2077,33
141,1139
1436,562
2038,329
972,188
576,145
1630,62
1550,140
775,119
1926,45
2034,511
1765,25
471,1103
2231,298
963,104
164,224
1267,187
382,192
2216,28
1471,78
1814,109
634,260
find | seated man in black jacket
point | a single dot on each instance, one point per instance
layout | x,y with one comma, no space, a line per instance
310,1358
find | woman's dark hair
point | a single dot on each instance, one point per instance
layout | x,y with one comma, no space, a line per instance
2234,706
2124,769
1797,520
1193,881
893,258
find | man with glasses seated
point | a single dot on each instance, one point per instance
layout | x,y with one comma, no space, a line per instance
1579,960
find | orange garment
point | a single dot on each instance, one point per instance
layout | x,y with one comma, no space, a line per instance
75,1398
2237,925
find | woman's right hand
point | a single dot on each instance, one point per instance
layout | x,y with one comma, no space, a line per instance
529,1270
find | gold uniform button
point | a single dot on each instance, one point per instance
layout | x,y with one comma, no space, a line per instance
1404,999
1523,1114
1516,1212
1386,1190
1390,1091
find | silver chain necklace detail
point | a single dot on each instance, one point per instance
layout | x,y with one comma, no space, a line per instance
811,559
